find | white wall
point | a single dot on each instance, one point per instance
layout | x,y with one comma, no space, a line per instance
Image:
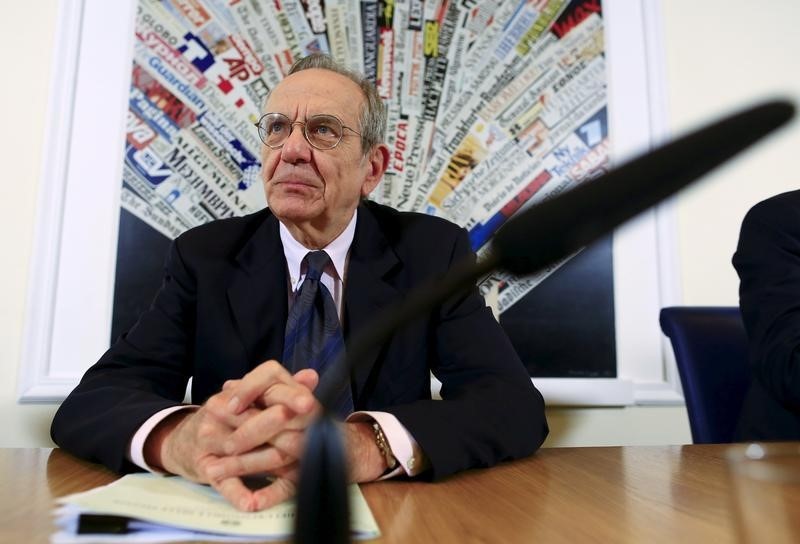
26,37
720,54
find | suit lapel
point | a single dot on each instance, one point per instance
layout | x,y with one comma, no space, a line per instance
257,294
368,288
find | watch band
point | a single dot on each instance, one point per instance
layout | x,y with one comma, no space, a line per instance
383,446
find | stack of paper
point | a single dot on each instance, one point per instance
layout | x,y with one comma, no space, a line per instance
174,509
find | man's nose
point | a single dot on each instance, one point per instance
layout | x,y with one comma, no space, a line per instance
296,148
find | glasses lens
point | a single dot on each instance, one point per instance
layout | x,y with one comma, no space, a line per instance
274,128
324,131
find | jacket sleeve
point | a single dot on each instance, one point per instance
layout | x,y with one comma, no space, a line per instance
490,411
146,370
767,260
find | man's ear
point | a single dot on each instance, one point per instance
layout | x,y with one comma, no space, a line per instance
377,162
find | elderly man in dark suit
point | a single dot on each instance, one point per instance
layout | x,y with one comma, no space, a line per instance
768,262
221,314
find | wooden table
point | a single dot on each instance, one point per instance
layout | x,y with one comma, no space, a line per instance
610,494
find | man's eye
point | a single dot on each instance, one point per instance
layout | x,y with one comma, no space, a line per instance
323,130
276,128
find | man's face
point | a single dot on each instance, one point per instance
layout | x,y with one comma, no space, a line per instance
311,188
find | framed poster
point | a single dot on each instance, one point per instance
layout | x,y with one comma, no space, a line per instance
494,106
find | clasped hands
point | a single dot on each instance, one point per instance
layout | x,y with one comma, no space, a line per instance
255,426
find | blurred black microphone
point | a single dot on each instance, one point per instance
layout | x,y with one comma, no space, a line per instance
583,215
529,242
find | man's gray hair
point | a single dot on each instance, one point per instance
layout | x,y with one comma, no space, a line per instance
373,114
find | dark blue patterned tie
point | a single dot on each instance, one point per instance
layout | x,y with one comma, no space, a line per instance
313,334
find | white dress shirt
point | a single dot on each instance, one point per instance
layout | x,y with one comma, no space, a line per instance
411,460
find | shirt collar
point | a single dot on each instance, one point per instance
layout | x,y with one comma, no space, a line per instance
337,250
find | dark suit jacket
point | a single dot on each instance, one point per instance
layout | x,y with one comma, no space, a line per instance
768,262
222,310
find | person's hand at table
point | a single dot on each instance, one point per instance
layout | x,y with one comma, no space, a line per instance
277,407
273,440
205,445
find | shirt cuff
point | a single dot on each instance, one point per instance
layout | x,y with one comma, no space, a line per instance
136,448
410,457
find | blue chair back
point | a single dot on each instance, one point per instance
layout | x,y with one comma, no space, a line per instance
710,346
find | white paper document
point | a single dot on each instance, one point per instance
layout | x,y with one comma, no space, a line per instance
175,509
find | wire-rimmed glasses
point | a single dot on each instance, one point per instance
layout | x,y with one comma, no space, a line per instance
321,131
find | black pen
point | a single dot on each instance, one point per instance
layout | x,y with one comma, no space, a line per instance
92,524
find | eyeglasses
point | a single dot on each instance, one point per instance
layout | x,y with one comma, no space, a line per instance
321,131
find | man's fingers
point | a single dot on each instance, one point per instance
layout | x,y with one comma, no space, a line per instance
234,490
236,493
294,396
230,384
255,383
291,443
307,377
259,387
263,460
280,490
217,406
260,430
195,437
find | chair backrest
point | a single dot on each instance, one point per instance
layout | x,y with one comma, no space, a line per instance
710,346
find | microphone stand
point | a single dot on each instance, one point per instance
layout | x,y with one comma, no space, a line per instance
574,220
